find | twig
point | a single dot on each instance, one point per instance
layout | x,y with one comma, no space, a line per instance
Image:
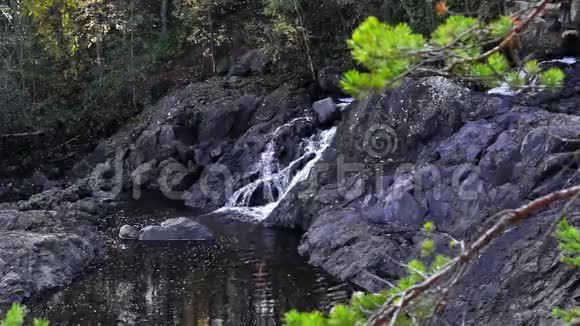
66,142
23,134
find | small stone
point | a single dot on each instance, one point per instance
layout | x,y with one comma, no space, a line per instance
128,232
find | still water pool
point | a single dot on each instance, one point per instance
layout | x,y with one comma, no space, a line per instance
250,276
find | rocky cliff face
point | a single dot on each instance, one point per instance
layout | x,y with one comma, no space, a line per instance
435,151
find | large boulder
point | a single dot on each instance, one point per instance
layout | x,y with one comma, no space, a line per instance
44,250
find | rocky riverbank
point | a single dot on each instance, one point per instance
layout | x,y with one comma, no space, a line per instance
61,230
430,150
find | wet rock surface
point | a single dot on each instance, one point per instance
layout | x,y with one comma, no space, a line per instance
435,151
42,250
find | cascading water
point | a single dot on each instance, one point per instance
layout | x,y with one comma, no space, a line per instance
276,181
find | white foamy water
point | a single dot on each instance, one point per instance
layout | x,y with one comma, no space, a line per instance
275,181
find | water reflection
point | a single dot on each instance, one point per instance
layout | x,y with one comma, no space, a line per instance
250,277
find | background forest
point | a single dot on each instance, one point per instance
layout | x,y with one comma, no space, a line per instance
74,71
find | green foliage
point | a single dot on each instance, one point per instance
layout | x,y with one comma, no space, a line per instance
566,316
552,79
294,318
454,28
498,63
428,227
453,244
427,248
195,25
54,20
384,50
456,47
281,7
342,315
501,27
569,237
532,67
15,317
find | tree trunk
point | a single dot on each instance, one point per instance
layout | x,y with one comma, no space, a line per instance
132,54
163,17
17,23
209,9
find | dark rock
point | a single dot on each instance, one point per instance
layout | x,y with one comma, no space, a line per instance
169,134
176,229
329,81
38,179
86,166
342,243
145,173
145,148
498,162
468,144
202,156
254,61
166,152
176,177
43,250
326,111
402,211
185,153
455,157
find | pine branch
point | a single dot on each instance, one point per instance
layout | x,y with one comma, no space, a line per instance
518,29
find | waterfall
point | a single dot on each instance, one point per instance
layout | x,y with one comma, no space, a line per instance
276,181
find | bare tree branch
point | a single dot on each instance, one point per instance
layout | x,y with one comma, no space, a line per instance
457,267
23,134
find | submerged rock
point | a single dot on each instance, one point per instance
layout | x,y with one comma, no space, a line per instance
181,228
